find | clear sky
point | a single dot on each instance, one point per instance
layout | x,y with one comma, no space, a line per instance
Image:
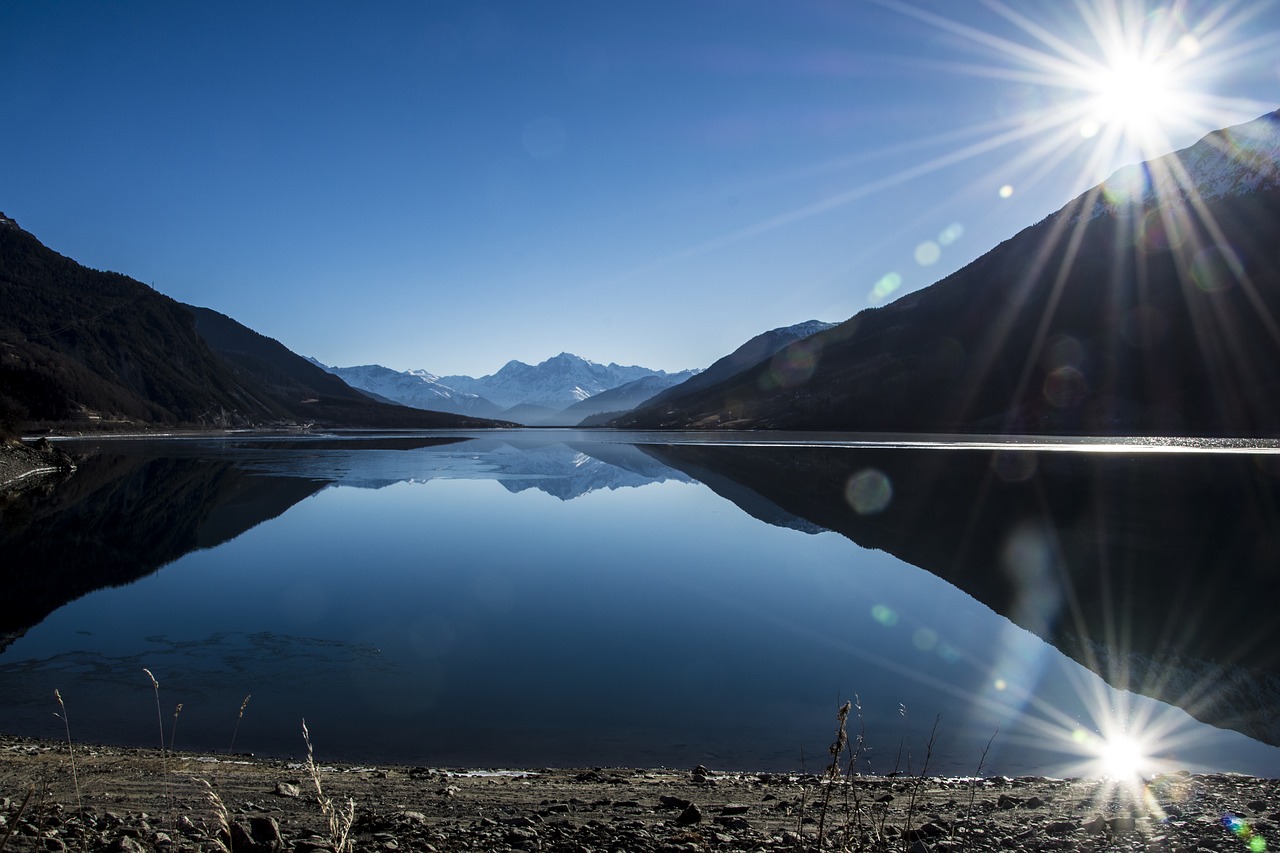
450,185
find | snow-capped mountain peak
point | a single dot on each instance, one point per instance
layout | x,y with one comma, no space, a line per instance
555,383
534,394
416,388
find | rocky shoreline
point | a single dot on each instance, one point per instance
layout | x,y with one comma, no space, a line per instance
22,464
120,799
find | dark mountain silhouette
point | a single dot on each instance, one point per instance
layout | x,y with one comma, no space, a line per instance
603,408
755,351
1150,305
528,414
620,399
89,348
1142,567
77,344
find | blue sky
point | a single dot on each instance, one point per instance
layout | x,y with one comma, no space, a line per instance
448,185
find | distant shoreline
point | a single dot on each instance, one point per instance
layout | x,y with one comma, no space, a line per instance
799,438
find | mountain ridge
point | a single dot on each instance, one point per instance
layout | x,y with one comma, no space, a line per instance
554,392
417,388
1206,170
1158,317
755,350
556,382
86,349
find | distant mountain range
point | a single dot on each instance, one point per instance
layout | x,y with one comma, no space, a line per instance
566,390
83,349
555,383
556,392
416,388
1148,305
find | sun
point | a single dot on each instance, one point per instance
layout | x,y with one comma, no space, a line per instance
1135,73
1137,90
1134,78
1118,753
1135,96
1121,757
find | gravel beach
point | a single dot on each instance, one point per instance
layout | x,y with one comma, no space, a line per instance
139,800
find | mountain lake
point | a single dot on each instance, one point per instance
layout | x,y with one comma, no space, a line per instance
535,598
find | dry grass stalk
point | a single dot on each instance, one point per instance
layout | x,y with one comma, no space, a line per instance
918,781
66,724
340,822
155,685
804,793
173,732
239,717
833,769
164,755
223,838
855,754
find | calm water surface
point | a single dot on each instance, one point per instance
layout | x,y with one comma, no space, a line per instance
553,598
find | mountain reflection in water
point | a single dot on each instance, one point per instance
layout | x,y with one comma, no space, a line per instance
631,620
1143,567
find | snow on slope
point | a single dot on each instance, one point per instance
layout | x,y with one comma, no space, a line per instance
566,471
1232,161
416,388
541,389
555,383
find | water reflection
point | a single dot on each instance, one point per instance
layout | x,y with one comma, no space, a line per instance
1146,569
122,516
554,598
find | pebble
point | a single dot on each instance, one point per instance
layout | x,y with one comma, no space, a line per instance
689,816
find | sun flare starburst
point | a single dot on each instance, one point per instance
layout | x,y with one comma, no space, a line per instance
1133,95
1083,89
1129,79
1134,79
1121,756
